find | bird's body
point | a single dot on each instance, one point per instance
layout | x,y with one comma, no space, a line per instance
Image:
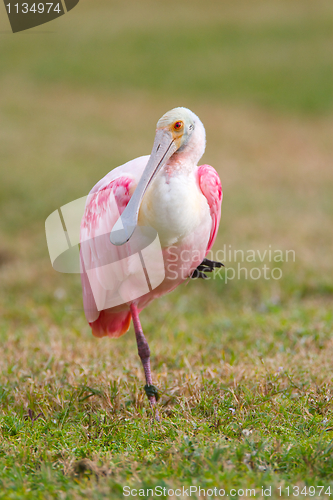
182,203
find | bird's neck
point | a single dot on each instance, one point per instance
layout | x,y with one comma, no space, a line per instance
178,164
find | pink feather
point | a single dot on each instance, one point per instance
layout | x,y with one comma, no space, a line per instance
210,185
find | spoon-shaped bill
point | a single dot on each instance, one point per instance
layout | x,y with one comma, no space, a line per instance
164,147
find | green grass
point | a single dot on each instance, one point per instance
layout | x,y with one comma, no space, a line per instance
246,400
244,367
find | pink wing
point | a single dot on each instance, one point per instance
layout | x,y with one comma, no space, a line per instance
211,188
106,201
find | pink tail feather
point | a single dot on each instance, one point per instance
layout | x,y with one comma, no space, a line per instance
111,324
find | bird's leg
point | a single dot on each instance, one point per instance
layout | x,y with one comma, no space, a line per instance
144,353
206,266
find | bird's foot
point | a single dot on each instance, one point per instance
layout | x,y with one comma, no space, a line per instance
153,396
151,391
206,266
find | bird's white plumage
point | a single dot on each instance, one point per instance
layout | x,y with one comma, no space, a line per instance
174,207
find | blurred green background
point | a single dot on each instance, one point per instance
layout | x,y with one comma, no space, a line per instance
80,96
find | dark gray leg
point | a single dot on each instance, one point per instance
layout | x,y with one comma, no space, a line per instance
144,353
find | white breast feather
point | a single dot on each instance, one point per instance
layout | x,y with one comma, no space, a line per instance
175,207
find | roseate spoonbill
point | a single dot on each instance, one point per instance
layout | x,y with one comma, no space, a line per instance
165,191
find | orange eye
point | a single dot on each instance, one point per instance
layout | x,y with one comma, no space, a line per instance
178,125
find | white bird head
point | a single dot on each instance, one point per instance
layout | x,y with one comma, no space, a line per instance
178,132
183,127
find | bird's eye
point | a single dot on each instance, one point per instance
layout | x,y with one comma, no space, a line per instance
178,126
